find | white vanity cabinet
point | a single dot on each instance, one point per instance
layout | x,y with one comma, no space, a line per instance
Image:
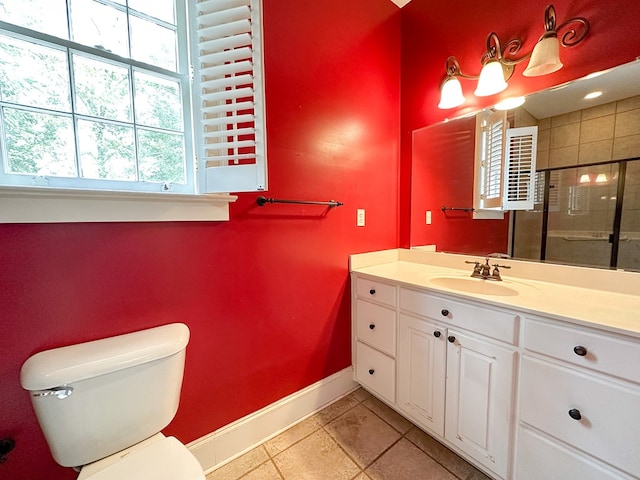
534,380
579,408
456,367
446,364
375,327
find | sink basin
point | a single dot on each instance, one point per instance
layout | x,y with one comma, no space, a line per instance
474,285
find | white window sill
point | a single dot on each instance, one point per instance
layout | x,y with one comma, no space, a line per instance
44,205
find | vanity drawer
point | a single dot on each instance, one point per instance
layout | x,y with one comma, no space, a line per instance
607,413
376,371
559,462
376,291
492,322
586,348
376,326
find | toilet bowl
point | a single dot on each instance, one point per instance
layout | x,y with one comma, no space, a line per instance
102,405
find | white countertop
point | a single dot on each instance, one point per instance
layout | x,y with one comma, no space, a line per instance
616,311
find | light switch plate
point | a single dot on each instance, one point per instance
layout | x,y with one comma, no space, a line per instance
360,219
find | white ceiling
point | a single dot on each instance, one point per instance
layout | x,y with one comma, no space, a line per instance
401,3
615,84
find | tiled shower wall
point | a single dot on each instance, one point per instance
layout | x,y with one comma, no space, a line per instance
595,135
599,134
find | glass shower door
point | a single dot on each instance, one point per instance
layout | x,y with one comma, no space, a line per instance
629,246
581,215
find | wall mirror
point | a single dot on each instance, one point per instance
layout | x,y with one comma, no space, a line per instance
587,209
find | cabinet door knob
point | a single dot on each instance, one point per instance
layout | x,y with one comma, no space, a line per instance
580,350
575,414
444,312
451,338
437,334
372,291
371,371
371,326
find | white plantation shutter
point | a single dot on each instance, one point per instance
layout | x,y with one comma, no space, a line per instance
229,95
519,173
493,137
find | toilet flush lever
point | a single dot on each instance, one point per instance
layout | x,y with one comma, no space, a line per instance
60,392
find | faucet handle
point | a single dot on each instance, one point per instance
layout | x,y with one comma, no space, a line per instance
502,266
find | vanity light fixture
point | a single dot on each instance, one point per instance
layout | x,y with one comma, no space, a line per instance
601,178
498,63
585,178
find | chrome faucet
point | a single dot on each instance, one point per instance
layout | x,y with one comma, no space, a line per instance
483,270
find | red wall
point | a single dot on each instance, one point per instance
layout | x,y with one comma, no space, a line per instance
442,175
432,31
266,295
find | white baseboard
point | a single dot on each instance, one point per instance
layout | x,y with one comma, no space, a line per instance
238,437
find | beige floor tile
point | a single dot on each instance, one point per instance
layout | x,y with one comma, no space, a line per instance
240,466
388,414
441,454
361,394
292,435
405,461
266,471
362,434
316,457
362,476
336,409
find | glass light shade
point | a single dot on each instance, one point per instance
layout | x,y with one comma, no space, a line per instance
451,94
491,79
585,178
545,58
601,178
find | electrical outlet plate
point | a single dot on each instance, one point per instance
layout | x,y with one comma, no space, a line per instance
360,218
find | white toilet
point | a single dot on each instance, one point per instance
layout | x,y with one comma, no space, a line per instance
102,404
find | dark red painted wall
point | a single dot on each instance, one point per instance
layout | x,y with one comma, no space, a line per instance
442,175
434,30
266,295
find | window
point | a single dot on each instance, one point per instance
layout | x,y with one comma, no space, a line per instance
97,95
505,166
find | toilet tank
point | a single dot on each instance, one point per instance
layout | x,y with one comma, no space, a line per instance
94,399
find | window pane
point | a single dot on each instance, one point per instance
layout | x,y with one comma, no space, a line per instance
151,43
158,102
46,16
39,143
33,75
162,9
106,151
100,26
102,89
161,157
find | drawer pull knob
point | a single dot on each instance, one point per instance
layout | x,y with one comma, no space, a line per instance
372,326
580,350
444,312
371,371
451,338
575,414
437,334
372,291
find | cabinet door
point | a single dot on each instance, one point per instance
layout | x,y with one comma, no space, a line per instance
479,399
421,372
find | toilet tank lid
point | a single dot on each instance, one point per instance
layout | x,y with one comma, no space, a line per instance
64,365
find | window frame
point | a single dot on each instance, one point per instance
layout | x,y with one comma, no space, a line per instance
38,204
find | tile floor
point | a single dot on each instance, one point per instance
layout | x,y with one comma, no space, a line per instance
355,438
